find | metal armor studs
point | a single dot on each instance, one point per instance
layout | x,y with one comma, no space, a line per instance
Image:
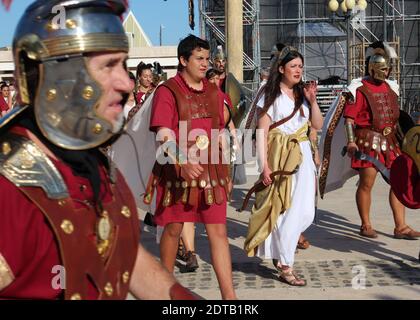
76,296
71,24
97,129
67,226
88,93
203,183
125,211
6,148
51,94
126,277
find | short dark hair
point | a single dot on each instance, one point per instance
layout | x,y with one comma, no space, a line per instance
187,46
4,85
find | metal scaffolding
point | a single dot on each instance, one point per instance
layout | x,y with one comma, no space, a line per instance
332,45
212,27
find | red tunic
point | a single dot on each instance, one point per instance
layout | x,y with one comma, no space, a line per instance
27,242
361,113
140,94
165,114
4,106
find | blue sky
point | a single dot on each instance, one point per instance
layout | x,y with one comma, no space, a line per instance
172,14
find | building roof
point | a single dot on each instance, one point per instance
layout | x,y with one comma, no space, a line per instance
137,37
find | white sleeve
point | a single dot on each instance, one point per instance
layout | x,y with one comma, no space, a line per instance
260,104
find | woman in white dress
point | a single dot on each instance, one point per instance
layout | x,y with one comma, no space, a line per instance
277,233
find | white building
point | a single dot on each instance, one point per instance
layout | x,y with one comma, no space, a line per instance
141,49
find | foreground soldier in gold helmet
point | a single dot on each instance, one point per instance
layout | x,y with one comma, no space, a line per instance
371,124
68,225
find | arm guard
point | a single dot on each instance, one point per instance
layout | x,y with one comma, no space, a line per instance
350,132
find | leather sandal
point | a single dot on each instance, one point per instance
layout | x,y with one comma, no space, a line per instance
406,233
303,244
191,262
181,253
291,278
368,232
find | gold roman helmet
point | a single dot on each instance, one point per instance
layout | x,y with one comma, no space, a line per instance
380,60
219,54
50,48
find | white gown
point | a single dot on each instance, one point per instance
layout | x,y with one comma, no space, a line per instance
281,243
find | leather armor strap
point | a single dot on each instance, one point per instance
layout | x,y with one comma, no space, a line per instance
284,120
384,107
74,229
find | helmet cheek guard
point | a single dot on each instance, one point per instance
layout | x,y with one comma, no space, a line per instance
64,96
378,67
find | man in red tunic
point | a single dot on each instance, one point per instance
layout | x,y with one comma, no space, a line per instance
371,122
187,190
68,221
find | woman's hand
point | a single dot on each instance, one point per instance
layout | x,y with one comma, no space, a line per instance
266,176
317,159
310,91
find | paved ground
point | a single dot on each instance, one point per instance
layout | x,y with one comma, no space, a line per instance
339,264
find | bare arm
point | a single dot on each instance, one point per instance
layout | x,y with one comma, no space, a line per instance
150,280
317,120
264,123
193,171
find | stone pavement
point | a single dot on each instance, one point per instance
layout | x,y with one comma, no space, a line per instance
339,264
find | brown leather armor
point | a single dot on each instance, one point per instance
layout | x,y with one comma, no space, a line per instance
75,231
381,136
179,188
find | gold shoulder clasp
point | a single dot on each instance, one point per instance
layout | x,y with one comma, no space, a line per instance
24,164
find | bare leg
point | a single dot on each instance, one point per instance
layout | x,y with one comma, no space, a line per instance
363,193
187,235
169,245
398,210
221,259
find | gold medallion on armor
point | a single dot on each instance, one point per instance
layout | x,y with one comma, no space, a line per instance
104,227
203,183
387,131
202,142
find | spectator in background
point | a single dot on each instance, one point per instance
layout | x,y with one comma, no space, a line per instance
145,81
12,96
4,99
132,100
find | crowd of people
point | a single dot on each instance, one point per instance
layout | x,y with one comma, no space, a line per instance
81,214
